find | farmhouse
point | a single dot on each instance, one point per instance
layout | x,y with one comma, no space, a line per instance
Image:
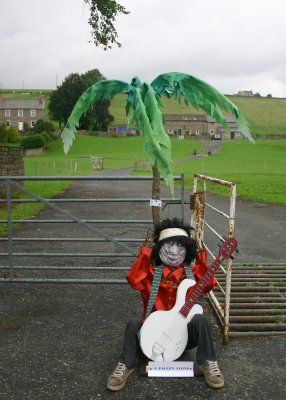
200,124
247,93
189,125
14,113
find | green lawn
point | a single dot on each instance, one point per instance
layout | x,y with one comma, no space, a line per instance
117,153
259,170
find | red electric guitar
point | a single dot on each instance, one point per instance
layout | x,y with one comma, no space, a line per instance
164,334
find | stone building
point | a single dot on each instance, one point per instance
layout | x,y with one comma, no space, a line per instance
246,93
14,113
200,124
193,125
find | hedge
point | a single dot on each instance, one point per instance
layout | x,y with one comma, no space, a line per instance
33,141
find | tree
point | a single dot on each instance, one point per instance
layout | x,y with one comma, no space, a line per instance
102,15
43,126
63,99
143,102
102,116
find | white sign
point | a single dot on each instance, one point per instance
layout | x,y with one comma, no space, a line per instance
173,369
155,203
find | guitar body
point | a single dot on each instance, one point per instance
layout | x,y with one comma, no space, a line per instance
164,334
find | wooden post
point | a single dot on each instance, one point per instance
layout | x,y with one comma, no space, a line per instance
156,193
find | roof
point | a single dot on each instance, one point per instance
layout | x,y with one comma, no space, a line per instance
9,104
228,118
185,117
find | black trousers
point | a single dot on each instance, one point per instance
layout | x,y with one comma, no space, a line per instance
199,335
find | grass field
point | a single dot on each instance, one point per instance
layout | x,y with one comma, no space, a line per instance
259,170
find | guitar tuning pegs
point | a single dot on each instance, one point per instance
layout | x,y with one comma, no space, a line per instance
236,251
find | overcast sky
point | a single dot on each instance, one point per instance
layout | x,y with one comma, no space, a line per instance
232,44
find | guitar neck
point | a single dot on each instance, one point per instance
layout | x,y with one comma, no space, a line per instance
200,286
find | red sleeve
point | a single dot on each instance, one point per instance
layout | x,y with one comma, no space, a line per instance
139,269
200,268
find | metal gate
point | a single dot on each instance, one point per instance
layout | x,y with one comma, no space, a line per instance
249,299
198,221
65,244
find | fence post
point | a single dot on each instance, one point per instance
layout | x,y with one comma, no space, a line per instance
182,197
9,225
229,264
197,204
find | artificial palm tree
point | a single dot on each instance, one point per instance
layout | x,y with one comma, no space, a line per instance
143,106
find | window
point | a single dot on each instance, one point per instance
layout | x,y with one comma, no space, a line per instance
33,113
20,113
197,131
7,113
33,124
7,124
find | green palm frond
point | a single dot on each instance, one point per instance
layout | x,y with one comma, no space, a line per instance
157,144
200,95
104,90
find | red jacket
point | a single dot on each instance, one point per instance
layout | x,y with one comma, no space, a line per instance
141,274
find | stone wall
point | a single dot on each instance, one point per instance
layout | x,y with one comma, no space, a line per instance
11,161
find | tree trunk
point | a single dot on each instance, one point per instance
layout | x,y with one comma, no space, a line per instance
156,192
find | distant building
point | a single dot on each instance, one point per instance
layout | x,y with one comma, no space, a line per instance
200,124
14,113
246,93
184,126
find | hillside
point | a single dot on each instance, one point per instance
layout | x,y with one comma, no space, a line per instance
264,115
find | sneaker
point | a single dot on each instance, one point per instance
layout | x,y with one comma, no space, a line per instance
213,376
116,381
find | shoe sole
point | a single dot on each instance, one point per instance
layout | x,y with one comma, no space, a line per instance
117,388
211,384
214,385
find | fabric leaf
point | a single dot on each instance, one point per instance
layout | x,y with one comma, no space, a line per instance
104,90
200,95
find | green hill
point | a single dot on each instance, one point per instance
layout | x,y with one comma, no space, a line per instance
264,115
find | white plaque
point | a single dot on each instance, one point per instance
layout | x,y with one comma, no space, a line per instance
172,369
155,203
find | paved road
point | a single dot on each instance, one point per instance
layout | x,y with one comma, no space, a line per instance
59,342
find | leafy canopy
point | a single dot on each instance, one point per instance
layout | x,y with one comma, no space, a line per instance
102,15
63,99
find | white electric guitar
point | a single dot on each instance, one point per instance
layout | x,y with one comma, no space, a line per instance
164,334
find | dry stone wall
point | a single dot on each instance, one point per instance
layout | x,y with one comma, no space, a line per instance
11,161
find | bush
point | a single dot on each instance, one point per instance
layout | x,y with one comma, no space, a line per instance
3,134
13,135
43,126
33,141
46,136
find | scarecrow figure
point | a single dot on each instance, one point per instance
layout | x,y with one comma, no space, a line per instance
157,274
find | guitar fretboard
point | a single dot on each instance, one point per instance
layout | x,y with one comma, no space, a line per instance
200,286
